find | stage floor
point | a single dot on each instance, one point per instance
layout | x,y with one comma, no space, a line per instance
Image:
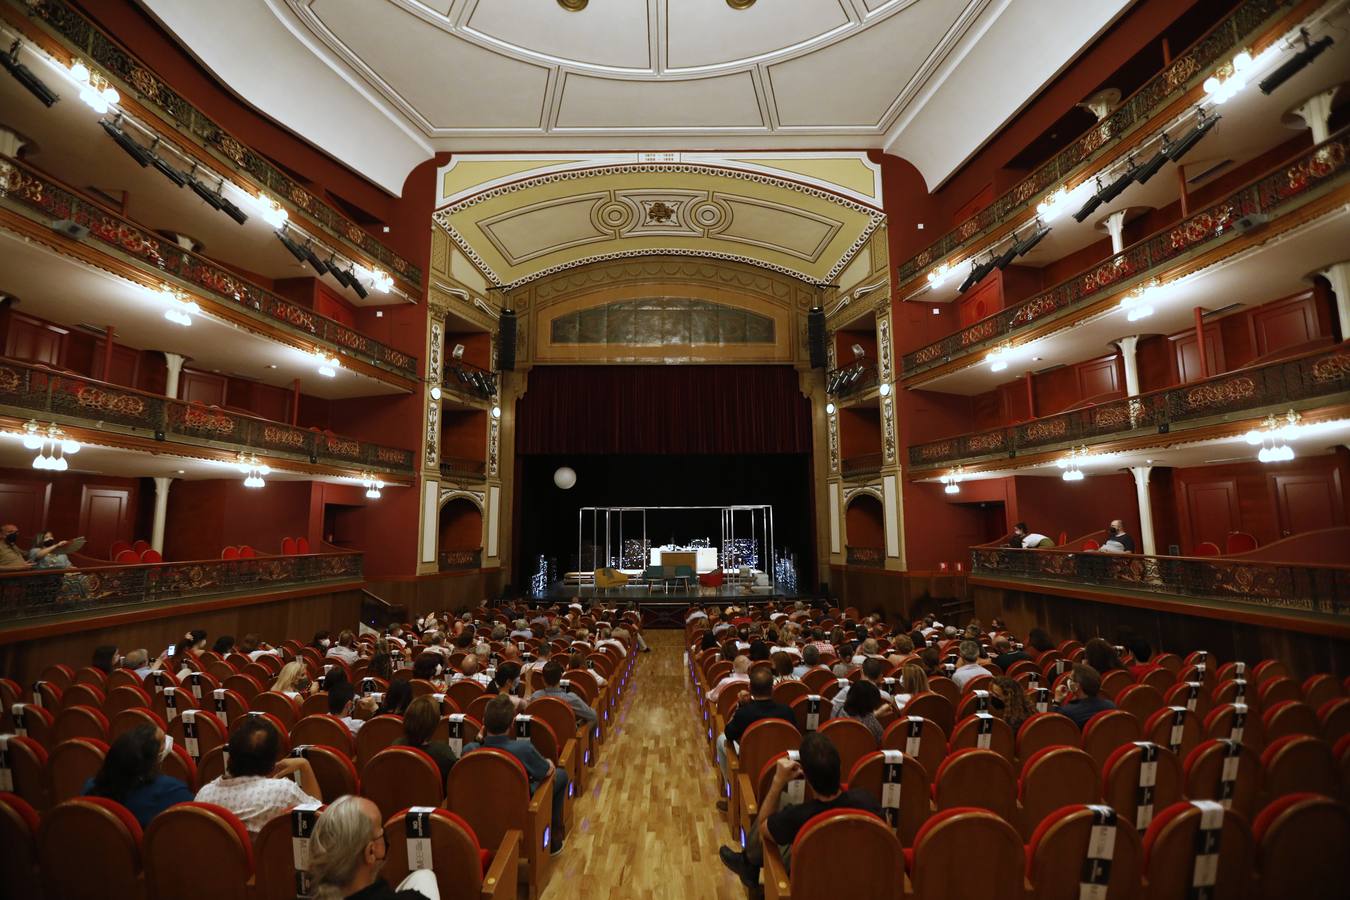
661,609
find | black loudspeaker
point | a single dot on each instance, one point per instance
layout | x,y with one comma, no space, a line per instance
506,341
815,337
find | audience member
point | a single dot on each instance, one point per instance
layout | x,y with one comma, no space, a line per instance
781,665
497,719
321,641
138,661
553,688
1117,540
759,705
428,667
293,680
345,649
223,646
254,647
872,669
396,699
1078,697
740,674
47,552
419,722
257,783
1039,640
130,775
864,698
1101,656
1007,654
1025,539
105,658
343,704
1142,652
969,653
1009,702
347,849
810,659
819,765
11,557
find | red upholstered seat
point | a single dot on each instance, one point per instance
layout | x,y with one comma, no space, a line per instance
1055,777
1240,542
198,850
399,777
117,547
108,839
79,721
933,706
985,731
140,545
288,546
851,738
1206,548
127,557
1060,845
977,778
870,774
71,764
1123,777
940,863
462,866
19,823
28,769
489,789
1294,834
1047,729
1106,731
1176,728
1299,763
843,853
302,545
333,769
151,555
229,553
1290,717
1170,852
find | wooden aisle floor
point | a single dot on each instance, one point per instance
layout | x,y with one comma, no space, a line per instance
648,827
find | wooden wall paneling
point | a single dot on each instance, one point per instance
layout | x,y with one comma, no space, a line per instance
35,340
1209,511
125,364
105,516
1187,358
1307,501
1013,402
202,387
985,300
25,504
1100,378
1284,323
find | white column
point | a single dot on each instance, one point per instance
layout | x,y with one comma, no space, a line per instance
161,512
10,143
1115,226
1316,113
1127,346
1339,276
175,362
1141,474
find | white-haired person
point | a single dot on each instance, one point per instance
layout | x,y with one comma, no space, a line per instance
348,848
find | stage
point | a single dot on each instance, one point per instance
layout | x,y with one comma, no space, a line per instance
662,609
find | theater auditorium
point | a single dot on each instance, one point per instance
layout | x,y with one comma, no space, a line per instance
674,449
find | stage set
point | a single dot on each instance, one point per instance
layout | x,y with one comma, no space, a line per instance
740,562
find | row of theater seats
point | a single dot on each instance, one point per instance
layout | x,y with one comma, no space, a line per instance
1144,764
48,765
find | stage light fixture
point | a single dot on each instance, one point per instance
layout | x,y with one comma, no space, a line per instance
435,392
1297,63
232,211
313,259
977,272
1183,145
1115,188
1092,203
884,389
212,199
178,177
124,140
496,412
1025,244
1156,162
339,274
290,245
24,76
358,286
1003,259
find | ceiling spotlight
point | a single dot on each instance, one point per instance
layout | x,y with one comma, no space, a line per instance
1025,244
357,286
1003,259
177,177
124,140
977,273
1156,162
952,480
211,198
231,210
313,258
341,276
1092,203
1114,189
289,244
24,76
1297,63
326,363
1183,145
372,485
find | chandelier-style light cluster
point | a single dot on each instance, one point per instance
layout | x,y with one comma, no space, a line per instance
178,308
95,91
1138,303
1072,464
254,469
952,480
326,363
372,485
52,443
1274,435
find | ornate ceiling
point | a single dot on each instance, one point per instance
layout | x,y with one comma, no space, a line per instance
523,216
928,79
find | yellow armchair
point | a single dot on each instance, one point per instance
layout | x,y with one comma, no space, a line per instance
609,578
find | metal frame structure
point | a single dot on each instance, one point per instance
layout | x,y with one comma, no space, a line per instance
760,522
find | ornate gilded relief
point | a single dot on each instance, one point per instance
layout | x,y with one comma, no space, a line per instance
888,428
885,360
494,440
435,339
834,443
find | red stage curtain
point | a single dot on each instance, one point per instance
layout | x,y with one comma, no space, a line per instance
663,409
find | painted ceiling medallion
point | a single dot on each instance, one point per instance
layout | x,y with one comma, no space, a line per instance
740,4
579,5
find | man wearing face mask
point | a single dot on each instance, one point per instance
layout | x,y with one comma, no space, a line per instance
11,557
347,851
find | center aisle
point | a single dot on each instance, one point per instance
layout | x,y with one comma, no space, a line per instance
649,826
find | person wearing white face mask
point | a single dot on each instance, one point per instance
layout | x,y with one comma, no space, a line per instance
130,774
347,851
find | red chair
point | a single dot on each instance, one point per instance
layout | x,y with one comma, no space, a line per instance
327,731
151,555
19,824
1139,779
1057,855
1090,544
1176,728
28,769
917,737
1047,729
399,777
1299,763
851,738
881,768
1140,701
1294,834
983,731
1290,717
1206,548
1240,542
247,552
78,722
288,546
229,553
108,839
333,769
839,853
198,732
1106,731
127,557
942,863
198,850
1055,777
978,778
1335,718
72,763
302,545
489,789
463,868
140,545
117,547
1170,851
128,719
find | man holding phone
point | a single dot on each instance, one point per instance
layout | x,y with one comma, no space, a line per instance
1078,696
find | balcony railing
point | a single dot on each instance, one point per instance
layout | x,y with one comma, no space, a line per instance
90,42
1220,44
32,191
460,560
466,378
868,557
851,379
1273,194
1320,592
35,595
862,464
453,467
1315,376
37,391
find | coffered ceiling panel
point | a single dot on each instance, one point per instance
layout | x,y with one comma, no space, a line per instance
527,75
538,214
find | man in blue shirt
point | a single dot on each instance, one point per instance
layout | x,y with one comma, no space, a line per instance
553,688
497,719
1078,697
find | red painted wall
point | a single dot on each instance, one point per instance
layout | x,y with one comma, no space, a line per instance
37,501
864,523
204,517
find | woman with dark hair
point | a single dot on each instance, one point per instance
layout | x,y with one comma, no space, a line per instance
1009,702
396,699
1039,640
381,666
224,645
321,641
419,723
105,658
861,704
130,775
1101,656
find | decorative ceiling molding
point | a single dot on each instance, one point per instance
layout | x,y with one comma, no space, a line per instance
534,215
